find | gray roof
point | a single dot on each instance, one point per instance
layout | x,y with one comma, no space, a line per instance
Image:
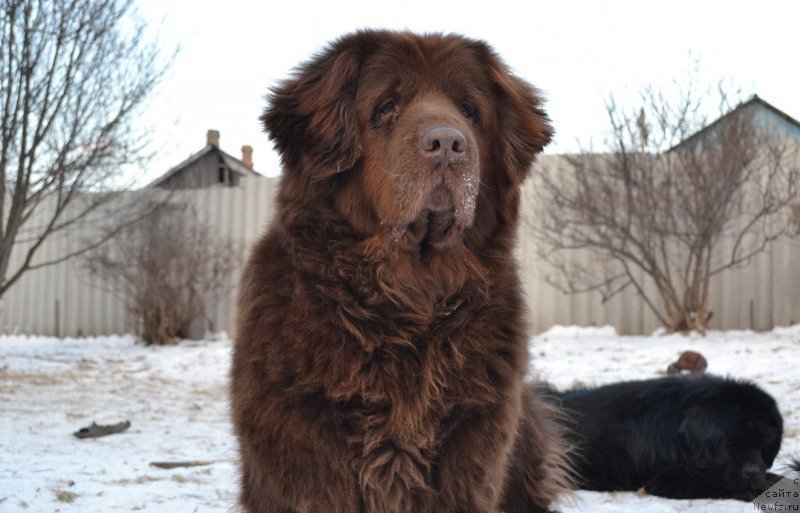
754,100
232,162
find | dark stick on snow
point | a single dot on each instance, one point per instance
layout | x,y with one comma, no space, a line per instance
180,464
98,430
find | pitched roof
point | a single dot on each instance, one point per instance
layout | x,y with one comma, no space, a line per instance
754,100
232,162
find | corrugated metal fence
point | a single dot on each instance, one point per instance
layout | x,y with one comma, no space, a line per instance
60,300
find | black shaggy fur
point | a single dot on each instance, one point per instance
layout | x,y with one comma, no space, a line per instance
678,437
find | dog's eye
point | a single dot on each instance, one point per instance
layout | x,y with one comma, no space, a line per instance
388,109
467,111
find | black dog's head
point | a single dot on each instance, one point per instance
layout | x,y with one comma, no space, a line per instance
734,430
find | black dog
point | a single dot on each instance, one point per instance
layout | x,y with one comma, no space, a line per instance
678,437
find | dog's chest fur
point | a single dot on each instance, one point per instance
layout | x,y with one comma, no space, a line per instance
399,359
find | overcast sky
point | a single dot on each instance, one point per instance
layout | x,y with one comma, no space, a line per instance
577,52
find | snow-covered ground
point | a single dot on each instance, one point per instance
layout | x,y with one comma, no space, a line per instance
176,400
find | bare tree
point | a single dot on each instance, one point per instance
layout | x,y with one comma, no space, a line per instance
73,76
795,216
168,269
667,206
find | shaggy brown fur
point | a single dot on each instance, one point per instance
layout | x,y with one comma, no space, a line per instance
381,347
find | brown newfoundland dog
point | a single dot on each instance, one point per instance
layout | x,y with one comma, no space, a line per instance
381,344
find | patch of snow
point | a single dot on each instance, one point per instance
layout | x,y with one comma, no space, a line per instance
560,331
174,396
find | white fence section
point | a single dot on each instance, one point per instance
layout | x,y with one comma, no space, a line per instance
60,300
759,296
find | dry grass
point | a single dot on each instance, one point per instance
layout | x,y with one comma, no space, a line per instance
65,496
139,480
10,380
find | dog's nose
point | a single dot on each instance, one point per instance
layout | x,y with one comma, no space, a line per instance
751,471
443,143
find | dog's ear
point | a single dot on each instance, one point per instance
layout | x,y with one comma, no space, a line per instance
703,434
311,116
771,430
524,128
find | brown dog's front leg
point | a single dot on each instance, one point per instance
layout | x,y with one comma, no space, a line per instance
474,461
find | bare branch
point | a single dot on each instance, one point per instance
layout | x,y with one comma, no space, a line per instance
73,76
168,268
658,206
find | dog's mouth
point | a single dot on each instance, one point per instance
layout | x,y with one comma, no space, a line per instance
444,215
440,199
432,228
